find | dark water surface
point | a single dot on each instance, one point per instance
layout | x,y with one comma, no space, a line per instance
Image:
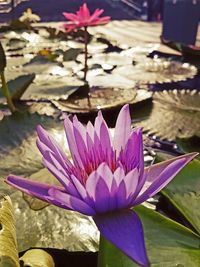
51,10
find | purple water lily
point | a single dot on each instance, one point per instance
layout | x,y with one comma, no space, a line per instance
105,178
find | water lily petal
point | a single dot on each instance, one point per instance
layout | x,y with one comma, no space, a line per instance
102,131
47,143
81,146
82,18
131,182
61,177
72,143
74,203
90,185
105,172
33,188
119,175
70,16
122,129
80,188
70,26
98,187
84,12
100,21
121,196
132,156
159,175
96,14
124,229
90,130
102,197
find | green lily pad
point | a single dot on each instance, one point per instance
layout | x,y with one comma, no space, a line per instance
184,193
71,54
168,244
175,114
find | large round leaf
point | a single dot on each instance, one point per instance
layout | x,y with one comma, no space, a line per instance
174,114
150,71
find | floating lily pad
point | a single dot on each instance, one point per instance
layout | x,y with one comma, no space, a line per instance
138,53
175,244
111,80
112,59
39,64
156,70
64,230
71,54
100,98
175,114
16,44
51,87
42,108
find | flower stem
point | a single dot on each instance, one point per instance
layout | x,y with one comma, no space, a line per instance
86,53
101,252
6,93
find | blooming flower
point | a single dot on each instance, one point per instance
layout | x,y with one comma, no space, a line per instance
105,179
82,18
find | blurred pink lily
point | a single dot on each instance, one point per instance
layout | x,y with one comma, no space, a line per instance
83,19
105,179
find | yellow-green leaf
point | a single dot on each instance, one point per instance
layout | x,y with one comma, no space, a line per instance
8,243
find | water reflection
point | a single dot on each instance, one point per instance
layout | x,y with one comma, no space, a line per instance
7,6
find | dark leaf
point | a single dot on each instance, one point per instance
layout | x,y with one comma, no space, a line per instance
2,58
18,86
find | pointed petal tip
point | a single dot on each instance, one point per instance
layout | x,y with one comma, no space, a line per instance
188,157
99,114
40,130
125,111
193,154
8,179
39,127
125,107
